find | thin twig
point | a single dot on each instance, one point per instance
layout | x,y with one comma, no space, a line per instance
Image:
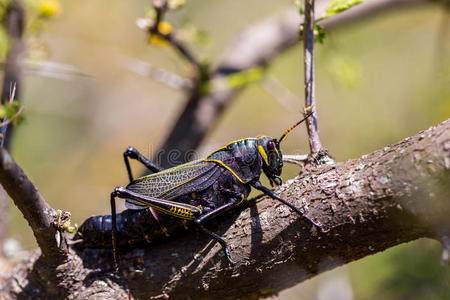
161,7
298,159
310,101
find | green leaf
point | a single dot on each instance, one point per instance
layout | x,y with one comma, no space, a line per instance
68,227
11,111
319,33
240,79
337,6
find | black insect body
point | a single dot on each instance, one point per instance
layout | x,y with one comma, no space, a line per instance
134,227
200,190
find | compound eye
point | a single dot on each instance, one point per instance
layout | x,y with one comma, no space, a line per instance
270,146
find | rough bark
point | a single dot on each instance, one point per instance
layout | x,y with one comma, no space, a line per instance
41,218
391,196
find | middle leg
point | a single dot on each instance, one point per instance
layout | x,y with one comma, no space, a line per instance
214,213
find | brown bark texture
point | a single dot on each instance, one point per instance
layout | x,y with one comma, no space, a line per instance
366,205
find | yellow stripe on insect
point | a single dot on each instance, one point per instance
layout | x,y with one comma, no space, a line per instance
276,150
263,154
228,168
181,212
240,140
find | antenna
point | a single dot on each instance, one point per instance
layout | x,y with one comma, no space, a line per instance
283,137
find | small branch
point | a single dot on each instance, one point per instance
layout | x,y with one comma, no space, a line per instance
295,159
180,47
39,215
161,8
310,101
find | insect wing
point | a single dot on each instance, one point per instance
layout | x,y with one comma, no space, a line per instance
174,182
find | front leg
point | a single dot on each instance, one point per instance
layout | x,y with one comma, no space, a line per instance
257,185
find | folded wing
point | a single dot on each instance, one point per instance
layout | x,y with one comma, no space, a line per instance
174,182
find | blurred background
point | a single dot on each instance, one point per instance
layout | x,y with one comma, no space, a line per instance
379,80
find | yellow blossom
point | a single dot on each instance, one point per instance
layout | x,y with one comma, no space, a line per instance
164,28
49,8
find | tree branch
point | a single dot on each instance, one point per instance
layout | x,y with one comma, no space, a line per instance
391,196
256,46
15,22
161,7
40,216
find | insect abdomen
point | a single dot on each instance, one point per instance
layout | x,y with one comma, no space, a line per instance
133,227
